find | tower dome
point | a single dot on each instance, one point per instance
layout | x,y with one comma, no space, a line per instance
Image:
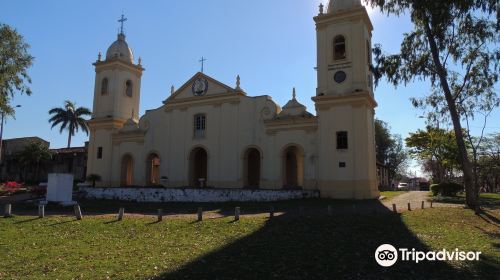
340,5
120,50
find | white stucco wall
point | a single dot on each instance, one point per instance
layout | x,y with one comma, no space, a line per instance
195,195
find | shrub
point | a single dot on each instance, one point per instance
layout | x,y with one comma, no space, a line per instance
435,189
446,189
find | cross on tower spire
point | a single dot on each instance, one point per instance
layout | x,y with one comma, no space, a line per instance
121,21
202,60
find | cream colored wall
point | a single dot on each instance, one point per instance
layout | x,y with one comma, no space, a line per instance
103,167
231,129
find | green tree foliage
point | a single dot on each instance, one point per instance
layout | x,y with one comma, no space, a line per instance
71,118
14,63
454,45
437,150
32,158
488,164
390,150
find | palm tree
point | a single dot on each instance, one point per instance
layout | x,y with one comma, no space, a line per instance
32,156
70,118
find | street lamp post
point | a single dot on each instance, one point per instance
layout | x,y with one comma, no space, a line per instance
1,134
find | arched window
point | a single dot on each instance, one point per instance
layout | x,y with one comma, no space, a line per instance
339,48
104,86
128,88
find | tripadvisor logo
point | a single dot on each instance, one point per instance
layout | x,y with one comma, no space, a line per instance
386,255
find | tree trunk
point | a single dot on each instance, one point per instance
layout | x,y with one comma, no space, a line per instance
470,198
69,139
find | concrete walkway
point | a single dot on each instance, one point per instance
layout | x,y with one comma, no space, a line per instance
415,199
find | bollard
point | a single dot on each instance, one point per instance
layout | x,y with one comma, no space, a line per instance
330,210
160,215
121,212
237,213
422,205
394,208
271,212
41,211
8,211
409,207
78,212
200,214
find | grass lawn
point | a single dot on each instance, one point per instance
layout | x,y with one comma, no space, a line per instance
285,247
390,194
490,199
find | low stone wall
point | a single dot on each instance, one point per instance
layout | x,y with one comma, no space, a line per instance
194,195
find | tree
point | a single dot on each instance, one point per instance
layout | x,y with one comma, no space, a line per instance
33,156
14,63
70,118
454,45
390,150
488,163
437,150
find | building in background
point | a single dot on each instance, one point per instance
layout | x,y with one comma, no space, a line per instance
65,160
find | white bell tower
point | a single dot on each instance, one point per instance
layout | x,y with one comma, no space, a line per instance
116,101
345,102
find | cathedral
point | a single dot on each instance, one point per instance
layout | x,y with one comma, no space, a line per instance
208,134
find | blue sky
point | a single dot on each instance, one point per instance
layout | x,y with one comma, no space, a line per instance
269,43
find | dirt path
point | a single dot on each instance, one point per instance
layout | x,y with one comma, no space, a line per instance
415,199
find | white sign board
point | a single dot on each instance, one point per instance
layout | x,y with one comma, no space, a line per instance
60,188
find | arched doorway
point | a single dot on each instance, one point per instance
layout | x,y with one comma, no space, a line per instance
293,174
127,170
251,170
153,170
198,161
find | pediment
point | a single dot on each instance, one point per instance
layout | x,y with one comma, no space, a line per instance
200,86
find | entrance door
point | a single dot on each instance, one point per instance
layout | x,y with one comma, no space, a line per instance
199,166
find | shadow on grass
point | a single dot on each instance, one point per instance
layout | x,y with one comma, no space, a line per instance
27,220
485,199
316,246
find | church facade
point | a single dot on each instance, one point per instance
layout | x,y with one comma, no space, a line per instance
209,134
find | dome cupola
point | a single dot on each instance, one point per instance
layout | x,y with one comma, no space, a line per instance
120,50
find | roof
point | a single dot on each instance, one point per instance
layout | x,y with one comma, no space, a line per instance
69,150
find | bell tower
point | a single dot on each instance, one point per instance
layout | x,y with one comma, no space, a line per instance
344,48
345,101
116,101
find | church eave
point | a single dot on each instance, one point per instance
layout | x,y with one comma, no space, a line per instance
113,64
215,99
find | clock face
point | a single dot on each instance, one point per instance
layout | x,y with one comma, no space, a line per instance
200,87
339,76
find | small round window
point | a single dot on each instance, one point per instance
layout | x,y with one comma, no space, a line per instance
340,76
